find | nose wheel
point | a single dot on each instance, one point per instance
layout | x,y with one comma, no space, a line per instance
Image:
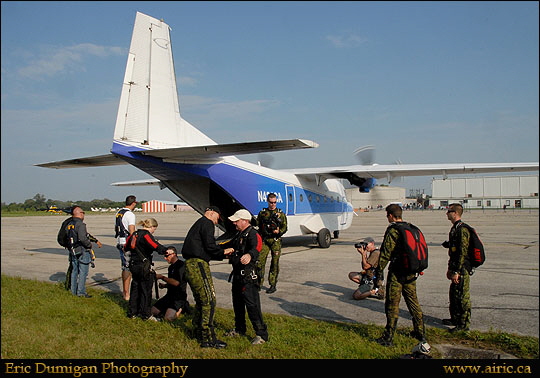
324,238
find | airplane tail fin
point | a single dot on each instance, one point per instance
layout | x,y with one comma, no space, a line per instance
149,112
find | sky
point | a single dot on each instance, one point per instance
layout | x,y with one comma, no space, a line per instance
424,82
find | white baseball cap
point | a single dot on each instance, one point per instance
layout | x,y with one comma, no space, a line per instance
240,214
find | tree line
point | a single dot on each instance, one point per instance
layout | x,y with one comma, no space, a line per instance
40,203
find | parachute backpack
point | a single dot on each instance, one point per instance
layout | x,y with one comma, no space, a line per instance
413,258
476,255
119,229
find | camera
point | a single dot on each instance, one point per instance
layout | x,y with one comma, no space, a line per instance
361,245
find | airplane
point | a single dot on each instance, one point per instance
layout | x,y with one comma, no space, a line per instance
151,135
54,209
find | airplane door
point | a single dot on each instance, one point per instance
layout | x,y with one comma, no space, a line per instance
343,217
291,204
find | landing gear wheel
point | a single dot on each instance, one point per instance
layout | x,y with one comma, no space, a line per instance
324,238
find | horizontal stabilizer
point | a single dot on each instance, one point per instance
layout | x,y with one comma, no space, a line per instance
218,150
92,161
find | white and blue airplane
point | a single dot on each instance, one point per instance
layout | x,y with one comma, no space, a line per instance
151,135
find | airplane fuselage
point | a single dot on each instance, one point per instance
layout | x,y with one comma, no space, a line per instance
233,184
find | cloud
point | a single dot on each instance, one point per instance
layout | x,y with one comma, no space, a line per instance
54,59
187,81
346,40
219,109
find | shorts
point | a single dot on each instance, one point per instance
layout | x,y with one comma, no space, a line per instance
125,257
364,287
167,302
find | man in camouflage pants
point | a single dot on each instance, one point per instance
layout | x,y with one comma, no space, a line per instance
198,249
458,272
272,224
397,283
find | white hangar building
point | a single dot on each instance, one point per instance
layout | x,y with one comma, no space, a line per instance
510,192
379,196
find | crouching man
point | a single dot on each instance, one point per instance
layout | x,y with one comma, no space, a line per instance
365,278
174,303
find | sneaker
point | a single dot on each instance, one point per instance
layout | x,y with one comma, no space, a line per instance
153,318
234,333
380,294
84,295
257,340
217,344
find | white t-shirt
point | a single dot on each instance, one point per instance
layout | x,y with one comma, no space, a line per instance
127,220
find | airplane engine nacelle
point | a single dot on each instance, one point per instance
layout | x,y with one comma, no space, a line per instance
367,185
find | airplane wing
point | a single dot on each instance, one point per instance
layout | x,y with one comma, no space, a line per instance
358,173
93,161
218,150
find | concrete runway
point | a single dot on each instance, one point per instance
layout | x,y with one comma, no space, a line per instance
313,282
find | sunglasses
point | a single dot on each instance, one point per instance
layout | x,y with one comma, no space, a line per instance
450,211
170,254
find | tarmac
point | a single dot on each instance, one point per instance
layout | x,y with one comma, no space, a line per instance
313,282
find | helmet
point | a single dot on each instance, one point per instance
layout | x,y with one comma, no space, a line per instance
421,348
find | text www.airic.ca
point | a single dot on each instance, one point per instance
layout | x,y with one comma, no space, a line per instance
495,368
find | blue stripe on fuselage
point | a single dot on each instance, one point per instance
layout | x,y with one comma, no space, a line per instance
247,187
251,189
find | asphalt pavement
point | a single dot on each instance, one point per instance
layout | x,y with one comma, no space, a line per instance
313,282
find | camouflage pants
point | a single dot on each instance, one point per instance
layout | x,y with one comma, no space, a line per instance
200,281
460,301
274,246
395,287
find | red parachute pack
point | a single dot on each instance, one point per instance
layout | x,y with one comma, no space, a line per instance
413,258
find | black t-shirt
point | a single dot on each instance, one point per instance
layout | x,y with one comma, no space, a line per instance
177,271
200,242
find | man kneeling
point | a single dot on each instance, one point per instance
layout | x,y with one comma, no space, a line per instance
172,304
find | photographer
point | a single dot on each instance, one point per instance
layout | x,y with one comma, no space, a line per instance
365,278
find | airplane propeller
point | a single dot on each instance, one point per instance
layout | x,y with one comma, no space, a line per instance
365,155
266,160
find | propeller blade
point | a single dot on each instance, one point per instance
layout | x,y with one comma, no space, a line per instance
266,160
365,155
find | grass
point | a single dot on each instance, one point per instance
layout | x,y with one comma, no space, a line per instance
41,320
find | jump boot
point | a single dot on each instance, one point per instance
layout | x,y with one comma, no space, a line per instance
388,336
